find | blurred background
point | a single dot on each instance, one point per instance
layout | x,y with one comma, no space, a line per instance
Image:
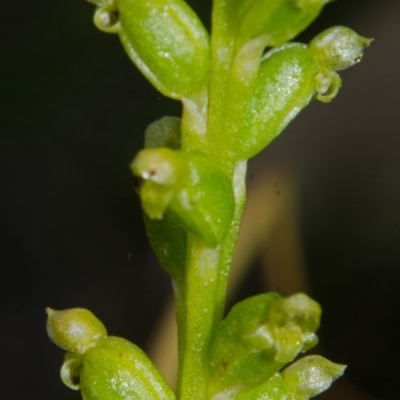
325,198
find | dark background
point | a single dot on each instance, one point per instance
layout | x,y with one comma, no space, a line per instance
72,114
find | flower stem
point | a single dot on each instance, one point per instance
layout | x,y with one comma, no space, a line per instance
203,295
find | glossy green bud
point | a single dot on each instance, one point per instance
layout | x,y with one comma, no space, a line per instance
285,85
75,330
190,187
311,375
102,367
289,77
338,48
335,49
118,370
164,38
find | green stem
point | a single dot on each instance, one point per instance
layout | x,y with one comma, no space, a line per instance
221,53
194,122
202,297
204,294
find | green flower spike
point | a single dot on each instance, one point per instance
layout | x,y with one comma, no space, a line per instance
238,94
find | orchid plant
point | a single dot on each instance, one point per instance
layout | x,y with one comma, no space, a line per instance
239,87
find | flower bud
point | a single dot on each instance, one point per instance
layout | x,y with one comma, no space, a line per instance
338,48
292,324
289,77
192,188
75,330
235,363
157,172
284,86
164,38
289,329
101,366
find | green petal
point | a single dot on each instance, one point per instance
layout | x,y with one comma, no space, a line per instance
119,370
312,375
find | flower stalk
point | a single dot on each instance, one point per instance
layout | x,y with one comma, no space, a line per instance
237,98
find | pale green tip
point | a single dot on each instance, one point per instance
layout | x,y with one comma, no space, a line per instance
157,165
338,48
155,171
75,330
312,375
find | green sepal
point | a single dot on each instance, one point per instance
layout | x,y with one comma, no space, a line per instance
116,369
233,362
243,29
258,337
304,379
164,38
285,85
311,375
191,187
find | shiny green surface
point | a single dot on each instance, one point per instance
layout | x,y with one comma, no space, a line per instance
119,370
191,181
